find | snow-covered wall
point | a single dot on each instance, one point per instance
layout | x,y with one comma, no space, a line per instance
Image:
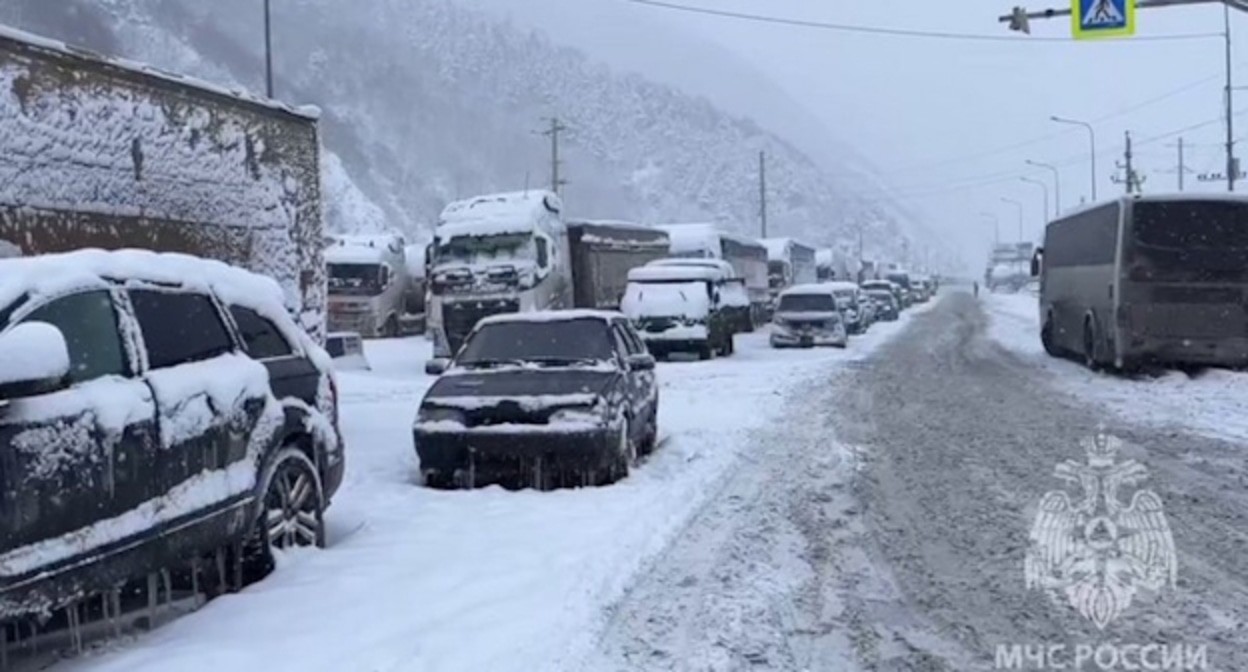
97,154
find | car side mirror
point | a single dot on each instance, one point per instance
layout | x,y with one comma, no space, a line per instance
437,366
641,362
34,359
1035,262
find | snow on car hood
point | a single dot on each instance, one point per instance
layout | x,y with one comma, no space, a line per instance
546,387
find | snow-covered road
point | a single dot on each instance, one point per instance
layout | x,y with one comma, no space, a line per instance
416,579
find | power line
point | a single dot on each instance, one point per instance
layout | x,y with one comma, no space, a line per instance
895,32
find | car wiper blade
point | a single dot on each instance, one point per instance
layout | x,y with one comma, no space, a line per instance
564,361
491,363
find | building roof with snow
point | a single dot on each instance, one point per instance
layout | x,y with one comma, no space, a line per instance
498,214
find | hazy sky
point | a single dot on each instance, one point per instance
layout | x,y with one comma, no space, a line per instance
938,118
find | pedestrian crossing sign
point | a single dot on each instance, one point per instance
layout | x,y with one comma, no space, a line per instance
1094,19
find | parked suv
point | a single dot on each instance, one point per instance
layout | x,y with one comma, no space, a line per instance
808,316
542,399
154,409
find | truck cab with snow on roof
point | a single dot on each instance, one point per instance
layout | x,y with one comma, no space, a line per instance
497,254
368,284
158,413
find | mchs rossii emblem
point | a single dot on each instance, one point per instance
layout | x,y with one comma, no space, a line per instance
1095,547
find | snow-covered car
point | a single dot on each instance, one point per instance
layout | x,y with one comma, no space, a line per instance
734,295
543,399
886,307
888,285
807,316
848,296
155,409
679,309
867,312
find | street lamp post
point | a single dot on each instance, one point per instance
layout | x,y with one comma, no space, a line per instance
268,52
1019,207
1057,184
1091,138
1044,187
996,226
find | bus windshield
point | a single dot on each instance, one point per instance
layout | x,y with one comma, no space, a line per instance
1190,241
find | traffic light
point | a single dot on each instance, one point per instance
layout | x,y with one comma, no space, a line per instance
1019,20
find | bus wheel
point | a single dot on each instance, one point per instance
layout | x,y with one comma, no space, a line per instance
1046,337
1089,344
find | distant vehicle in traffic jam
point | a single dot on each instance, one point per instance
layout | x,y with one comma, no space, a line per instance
1147,279
170,392
847,298
679,309
886,305
807,316
544,399
888,286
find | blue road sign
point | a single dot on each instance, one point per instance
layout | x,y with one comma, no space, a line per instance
1093,19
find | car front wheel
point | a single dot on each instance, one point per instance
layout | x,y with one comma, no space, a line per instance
291,512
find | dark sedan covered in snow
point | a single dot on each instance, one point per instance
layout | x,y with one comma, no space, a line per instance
542,399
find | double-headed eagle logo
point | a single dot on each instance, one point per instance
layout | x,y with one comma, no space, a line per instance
1097,552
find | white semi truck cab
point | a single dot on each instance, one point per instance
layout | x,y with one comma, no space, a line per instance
502,253
367,284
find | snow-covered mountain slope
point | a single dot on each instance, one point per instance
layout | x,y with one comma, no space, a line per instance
429,100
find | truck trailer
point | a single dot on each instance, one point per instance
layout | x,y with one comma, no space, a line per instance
603,252
789,262
110,154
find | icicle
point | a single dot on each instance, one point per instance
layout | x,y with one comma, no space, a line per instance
168,584
220,559
152,589
115,598
75,632
4,646
195,580
472,471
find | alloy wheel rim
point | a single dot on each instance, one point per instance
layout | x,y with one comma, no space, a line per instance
291,509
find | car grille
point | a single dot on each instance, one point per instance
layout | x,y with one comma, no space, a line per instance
459,319
655,325
507,413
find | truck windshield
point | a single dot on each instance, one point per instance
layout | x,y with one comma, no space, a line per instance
806,303
487,249
666,299
900,279
1190,241
355,279
777,273
553,342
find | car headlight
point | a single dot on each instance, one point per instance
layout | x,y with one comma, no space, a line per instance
440,414
578,415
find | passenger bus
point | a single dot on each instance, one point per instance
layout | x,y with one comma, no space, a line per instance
1142,279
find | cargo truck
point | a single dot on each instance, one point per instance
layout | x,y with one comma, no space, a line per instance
789,262
109,154
368,284
747,256
512,253
603,252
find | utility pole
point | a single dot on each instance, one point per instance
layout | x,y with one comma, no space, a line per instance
1132,179
268,52
762,190
1232,166
556,127
1182,165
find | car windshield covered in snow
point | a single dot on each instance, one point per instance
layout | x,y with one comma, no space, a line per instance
552,342
806,303
486,249
666,299
362,279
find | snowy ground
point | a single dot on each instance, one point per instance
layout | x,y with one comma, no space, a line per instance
417,579
1209,403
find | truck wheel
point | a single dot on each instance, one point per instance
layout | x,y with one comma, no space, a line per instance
391,328
730,347
1089,344
706,351
1046,337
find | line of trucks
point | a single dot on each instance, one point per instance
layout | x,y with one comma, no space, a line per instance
217,173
